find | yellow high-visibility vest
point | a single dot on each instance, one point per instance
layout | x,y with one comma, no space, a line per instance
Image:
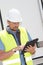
10,43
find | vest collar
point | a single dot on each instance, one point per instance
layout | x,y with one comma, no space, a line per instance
11,31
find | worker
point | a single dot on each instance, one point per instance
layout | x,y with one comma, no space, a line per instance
13,40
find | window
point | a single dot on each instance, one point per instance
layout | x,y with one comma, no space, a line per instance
1,22
40,2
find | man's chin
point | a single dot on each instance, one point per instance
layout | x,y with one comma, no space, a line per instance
14,29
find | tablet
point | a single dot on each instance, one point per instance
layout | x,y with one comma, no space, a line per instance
32,43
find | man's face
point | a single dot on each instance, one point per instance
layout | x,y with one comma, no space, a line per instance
13,25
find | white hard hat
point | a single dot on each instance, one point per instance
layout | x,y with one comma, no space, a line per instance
14,15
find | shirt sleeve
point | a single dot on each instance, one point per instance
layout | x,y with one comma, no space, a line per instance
29,36
1,45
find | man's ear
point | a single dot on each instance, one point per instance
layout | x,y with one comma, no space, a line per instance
8,22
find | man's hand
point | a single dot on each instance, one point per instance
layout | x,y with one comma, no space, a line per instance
31,49
18,48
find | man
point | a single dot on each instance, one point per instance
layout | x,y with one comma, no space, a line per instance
13,40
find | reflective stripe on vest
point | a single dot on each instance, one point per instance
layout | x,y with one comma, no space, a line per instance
16,61
10,43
